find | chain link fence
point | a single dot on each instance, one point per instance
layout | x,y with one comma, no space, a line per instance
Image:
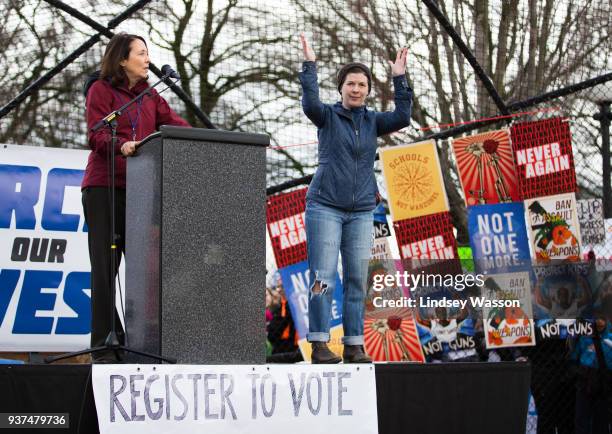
239,61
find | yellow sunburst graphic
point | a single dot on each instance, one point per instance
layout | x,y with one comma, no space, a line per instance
414,182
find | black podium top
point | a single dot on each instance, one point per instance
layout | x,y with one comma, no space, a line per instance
209,135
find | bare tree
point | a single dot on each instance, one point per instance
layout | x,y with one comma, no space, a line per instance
33,39
231,57
220,49
526,48
238,62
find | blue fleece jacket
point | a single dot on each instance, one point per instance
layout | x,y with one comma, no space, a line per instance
347,143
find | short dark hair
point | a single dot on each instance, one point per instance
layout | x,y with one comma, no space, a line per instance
118,49
354,67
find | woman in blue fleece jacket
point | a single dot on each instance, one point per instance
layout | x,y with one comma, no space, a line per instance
342,196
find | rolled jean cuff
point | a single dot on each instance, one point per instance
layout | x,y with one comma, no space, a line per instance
318,337
352,340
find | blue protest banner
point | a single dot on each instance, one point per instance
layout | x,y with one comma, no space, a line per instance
498,237
296,283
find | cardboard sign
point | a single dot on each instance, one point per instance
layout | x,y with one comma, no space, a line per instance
235,398
553,227
286,227
381,225
414,180
563,299
390,333
498,237
426,238
543,157
486,168
381,249
591,218
508,326
445,323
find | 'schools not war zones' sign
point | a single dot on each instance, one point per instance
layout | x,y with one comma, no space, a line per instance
235,399
414,180
296,283
498,237
44,259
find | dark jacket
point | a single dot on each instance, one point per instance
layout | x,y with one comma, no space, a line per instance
345,176
281,330
101,99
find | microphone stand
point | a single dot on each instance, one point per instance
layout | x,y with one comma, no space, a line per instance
112,342
109,118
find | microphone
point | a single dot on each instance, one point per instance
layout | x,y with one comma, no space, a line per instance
167,70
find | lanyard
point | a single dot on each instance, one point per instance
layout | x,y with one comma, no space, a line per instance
133,122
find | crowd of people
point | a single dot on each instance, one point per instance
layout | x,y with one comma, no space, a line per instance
572,393
281,336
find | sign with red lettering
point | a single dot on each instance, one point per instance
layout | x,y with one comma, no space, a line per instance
426,238
543,157
286,227
486,168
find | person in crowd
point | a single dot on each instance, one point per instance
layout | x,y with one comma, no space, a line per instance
123,75
552,383
565,301
593,413
281,330
343,194
268,319
268,306
448,328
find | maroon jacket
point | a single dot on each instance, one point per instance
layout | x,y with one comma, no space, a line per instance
102,98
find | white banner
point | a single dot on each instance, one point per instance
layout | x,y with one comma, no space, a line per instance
603,251
300,399
381,249
44,259
591,218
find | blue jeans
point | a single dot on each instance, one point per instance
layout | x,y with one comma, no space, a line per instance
330,231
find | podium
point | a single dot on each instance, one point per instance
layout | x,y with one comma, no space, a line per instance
195,246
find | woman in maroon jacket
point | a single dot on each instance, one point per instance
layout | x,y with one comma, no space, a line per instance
125,68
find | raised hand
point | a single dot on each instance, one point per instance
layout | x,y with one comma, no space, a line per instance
399,66
309,54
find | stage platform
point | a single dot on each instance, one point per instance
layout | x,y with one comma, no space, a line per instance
449,398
